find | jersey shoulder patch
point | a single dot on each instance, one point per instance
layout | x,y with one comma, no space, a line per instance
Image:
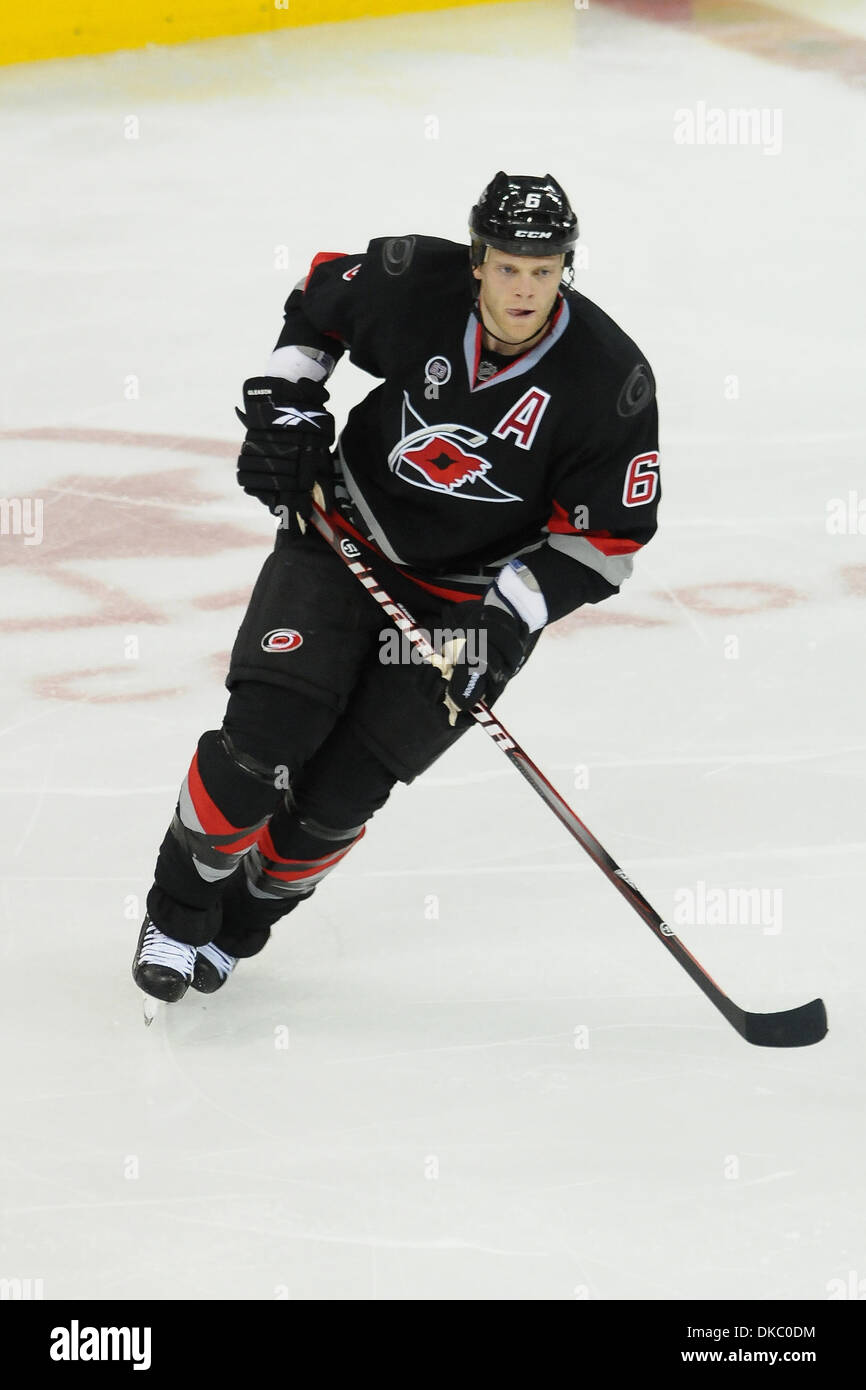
621,366
638,389
395,256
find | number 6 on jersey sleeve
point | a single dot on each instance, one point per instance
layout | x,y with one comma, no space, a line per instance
641,480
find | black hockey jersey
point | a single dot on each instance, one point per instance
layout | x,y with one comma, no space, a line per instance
552,459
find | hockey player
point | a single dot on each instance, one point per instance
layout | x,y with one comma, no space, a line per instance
502,474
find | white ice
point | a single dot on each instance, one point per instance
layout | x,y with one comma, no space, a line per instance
466,1070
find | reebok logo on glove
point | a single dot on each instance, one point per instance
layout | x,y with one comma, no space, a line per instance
493,651
290,416
472,682
287,449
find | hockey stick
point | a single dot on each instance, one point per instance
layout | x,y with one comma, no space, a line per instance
797,1027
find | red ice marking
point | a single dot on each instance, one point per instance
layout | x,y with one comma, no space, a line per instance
111,606
214,448
710,598
762,30
64,687
854,578
219,662
667,10
88,517
93,517
232,598
593,615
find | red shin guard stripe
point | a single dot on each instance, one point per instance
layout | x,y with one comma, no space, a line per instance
311,871
298,868
210,816
243,843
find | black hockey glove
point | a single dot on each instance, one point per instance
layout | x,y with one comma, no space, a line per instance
493,650
288,445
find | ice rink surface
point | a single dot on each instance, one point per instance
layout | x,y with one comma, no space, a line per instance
465,1070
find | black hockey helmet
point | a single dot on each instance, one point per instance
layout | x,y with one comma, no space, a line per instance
524,215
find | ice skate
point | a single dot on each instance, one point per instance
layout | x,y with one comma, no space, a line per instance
162,967
212,968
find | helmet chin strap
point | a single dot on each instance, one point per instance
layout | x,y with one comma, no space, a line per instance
476,309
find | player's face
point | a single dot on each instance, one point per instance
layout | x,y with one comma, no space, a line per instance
517,294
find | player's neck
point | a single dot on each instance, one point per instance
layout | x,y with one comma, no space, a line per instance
506,349
501,346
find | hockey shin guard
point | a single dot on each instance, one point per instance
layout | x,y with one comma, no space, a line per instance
224,803
291,856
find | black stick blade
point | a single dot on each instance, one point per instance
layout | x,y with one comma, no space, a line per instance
791,1028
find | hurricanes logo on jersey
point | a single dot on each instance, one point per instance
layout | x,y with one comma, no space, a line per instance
442,458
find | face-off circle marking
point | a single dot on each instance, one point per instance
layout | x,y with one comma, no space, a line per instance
281,639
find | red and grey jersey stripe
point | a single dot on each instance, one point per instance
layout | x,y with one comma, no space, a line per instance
319,259
610,556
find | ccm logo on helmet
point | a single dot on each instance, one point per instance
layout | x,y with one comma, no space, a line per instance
281,639
535,235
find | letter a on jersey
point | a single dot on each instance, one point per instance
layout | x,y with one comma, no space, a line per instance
524,418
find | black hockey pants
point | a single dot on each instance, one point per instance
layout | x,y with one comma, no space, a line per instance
317,731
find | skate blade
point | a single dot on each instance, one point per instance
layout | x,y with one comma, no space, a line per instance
151,1008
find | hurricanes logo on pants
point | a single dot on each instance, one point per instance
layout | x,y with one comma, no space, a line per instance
438,458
